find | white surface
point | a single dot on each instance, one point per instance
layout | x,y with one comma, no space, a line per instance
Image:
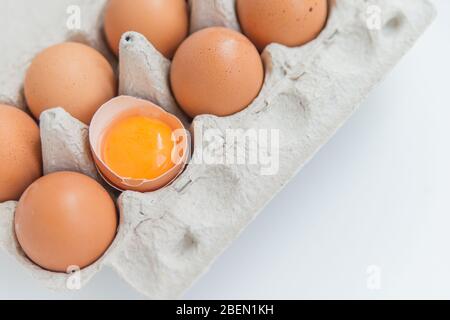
383,185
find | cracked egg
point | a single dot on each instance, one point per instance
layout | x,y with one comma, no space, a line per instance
137,145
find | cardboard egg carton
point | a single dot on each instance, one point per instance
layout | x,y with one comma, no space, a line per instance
169,238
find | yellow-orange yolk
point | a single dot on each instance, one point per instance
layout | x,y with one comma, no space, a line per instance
138,147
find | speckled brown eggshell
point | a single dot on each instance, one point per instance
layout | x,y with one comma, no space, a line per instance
72,76
65,219
289,22
216,71
165,23
20,152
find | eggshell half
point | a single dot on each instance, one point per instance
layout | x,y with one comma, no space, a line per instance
124,107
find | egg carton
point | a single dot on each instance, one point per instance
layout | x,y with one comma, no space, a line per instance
167,239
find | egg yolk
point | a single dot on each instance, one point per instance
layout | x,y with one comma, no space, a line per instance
138,147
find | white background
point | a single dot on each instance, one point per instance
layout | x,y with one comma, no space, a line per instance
378,194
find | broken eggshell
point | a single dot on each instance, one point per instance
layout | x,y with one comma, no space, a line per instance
124,107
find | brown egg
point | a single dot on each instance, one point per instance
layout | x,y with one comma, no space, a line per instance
65,219
72,76
20,152
165,23
288,22
216,71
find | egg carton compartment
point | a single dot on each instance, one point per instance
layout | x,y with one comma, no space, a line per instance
167,239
